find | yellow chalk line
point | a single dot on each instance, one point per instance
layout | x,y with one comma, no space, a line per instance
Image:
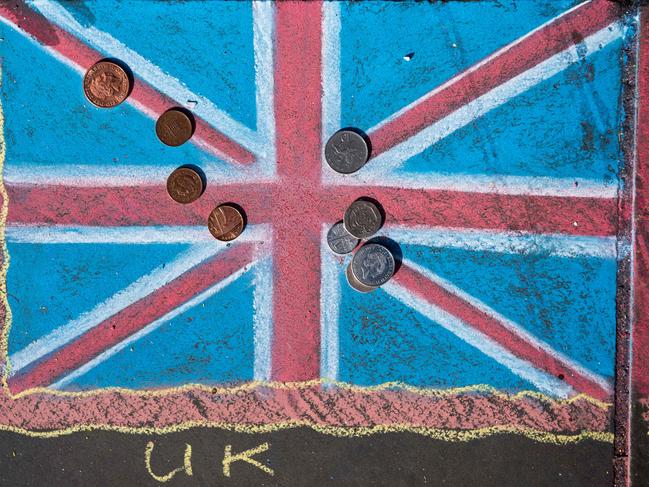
449,435
5,253
250,386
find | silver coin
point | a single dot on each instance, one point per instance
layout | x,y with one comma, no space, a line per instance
373,265
355,283
346,151
362,219
339,239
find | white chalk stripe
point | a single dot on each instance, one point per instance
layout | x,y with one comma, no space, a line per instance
512,326
522,368
400,153
137,290
78,234
264,49
559,245
262,304
331,25
154,325
475,183
87,175
152,74
329,311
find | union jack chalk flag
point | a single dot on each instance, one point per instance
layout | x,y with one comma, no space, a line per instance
495,130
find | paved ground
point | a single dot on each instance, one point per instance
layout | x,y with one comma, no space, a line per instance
302,457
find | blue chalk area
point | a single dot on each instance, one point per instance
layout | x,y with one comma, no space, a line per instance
212,343
568,303
48,120
382,340
208,46
375,37
566,126
49,285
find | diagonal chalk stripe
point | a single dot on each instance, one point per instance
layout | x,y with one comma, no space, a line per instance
400,153
107,354
512,326
477,66
152,74
522,368
142,287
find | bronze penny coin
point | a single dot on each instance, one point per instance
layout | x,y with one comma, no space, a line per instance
225,223
184,185
106,84
174,127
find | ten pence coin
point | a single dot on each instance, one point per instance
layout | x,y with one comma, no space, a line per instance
346,151
373,265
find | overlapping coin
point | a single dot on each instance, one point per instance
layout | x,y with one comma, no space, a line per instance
373,265
340,240
346,151
174,127
106,84
225,223
185,185
362,219
355,283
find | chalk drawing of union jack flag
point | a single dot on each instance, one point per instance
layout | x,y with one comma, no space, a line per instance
495,153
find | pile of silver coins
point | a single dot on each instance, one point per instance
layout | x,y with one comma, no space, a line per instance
373,264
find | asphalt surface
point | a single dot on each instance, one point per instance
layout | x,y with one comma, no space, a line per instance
300,457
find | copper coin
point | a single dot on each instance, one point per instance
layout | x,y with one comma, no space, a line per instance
174,127
184,185
106,84
225,223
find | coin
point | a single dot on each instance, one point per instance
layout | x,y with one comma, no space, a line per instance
355,283
339,239
106,84
174,127
346,151
373,265
225,223
184,185
362,219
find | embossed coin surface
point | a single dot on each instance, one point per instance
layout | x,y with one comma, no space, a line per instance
355,283
339,239
346,151
184,185
362,219
106,84
174,127
373,265
225,223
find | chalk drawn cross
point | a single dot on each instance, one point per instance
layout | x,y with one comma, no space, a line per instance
291,197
